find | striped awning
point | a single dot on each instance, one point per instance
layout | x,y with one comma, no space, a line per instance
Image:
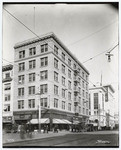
61,121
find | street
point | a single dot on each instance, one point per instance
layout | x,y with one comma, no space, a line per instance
92,139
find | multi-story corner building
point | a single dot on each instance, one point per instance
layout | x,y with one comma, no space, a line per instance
7,94
97,105
102,105
46,66
109,106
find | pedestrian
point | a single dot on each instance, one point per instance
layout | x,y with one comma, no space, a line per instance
44,128
22,131
47,128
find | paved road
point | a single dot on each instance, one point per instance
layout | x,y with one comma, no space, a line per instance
71,140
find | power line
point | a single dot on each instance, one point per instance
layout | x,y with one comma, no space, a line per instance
92,33
100,54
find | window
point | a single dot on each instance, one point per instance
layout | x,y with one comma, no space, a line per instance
80,100
55,90
32,64
21,79
55,63
7,107
63,93
69,85
79,81
20,91
31,103
31,77
43,75
69,62
86,111
43,88
55,76
44,102
95,100
43,61
69,106
56,50
74,66
69,73
44,48
83,110
79,109
79,89
82,74
69,96
32,51
63,105
86,95
83,84
7,86
55,103
83,93
86,77
7,97
86,86
21,54
63,81
63,56
7,75
63,69
21,66
83,102
31,90
21,104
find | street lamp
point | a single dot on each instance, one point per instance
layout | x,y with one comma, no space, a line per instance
39,121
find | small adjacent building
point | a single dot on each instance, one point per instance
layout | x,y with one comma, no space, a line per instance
7,94
102,106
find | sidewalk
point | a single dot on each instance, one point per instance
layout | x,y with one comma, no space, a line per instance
15,137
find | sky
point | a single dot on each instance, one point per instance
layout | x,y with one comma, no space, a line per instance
85,29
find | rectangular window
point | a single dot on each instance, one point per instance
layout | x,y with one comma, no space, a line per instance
32,51
63,81
55,90
43,75
55,76
83,102
69,73
55,103
7,107
74,66
21,104
79,81
63,93
83,110
55,63
31,103
31,77
44,102
43,88
80,100
69,62
83,94
86,95
83,84
86,111
95,100
69,96
79,89
56,50
79,109
44,48
21,66
69,106
32,64
82,74
63,105
86,86
20,91
86,77
63,56
63,69
7,97
7,86
31,90
69,85
21,54
21,79
89,102
7,75
43,61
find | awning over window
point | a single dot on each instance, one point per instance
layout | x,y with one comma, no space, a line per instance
61,121
76,122
42,121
